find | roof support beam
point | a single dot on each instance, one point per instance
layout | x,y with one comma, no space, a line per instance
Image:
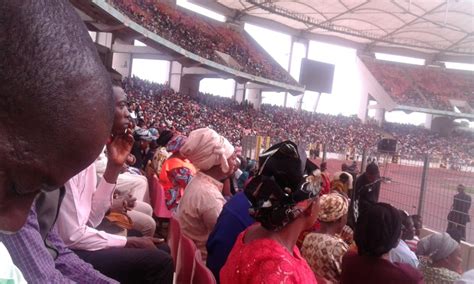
339,15
404,25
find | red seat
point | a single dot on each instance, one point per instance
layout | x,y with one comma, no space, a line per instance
157,197
174,238
185,264
202,274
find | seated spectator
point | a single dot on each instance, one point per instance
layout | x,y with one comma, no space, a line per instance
141,145
176,172
402,252
377,231
125,259
247,173
48,133
233,219
284,204
442,262
234,180
418,225
202,201
161,154
345,170
341,184
326,187
324,250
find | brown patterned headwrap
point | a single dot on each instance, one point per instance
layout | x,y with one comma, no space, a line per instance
332,207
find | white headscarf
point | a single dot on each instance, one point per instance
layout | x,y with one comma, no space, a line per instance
205,149
436,246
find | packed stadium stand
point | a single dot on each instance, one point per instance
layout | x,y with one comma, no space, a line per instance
204,37
109,178
422,86
162,107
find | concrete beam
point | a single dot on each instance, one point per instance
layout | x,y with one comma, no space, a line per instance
435,112
200,71
126,48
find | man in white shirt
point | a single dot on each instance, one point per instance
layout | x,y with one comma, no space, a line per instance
125,259
402,253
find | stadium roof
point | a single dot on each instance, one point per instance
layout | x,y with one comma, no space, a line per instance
437,30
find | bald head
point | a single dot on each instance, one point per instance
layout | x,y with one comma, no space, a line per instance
56,103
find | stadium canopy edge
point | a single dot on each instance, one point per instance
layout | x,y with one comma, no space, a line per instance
435,112
142,32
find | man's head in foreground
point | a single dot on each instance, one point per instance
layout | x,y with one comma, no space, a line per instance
56,103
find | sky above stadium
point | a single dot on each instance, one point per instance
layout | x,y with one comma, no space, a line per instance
345,94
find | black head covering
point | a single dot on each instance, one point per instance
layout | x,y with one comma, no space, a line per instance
164,138
372,169
378,229
279,185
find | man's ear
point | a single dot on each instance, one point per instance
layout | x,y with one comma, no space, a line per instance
14,208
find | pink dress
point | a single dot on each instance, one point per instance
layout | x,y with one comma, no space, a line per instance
265,261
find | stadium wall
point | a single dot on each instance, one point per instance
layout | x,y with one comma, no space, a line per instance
369,85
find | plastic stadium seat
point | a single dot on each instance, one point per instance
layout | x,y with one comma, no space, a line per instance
202,274
157,197
174,238
185,264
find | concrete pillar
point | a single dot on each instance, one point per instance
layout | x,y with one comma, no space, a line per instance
301,97
363,107
254,96
239,94
299,104
189,84
122,63
104,39
175,76
380,116
290,59
429,119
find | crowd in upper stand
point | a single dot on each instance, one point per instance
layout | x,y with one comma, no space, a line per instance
77,196
204,37
426,87
234,120
422,86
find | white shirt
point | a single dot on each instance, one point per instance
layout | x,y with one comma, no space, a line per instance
199,208
403,254
83,208
9,273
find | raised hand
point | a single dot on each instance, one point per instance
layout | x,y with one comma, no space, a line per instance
119,147
123,203
118,150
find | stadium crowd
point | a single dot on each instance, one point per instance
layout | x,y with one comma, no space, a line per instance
77,193
428,87
234,120
204,37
